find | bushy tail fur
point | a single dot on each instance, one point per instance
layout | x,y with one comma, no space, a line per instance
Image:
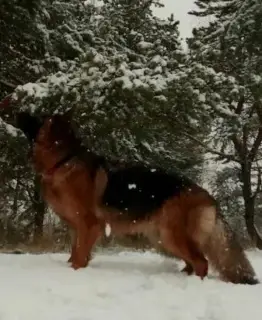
227,256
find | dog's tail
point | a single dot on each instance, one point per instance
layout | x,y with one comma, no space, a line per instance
214,237
227,256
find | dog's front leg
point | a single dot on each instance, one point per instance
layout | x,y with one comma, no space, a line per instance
87,234
73,245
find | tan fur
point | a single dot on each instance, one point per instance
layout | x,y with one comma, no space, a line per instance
227,256
213,238
69,191
201,223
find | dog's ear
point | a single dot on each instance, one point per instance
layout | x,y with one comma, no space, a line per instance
68,115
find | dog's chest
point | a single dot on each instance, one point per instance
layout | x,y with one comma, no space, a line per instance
68,193
54,194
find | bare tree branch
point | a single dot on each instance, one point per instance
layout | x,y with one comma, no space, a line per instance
257,107
8,84
238,145
28,191
15,77
259,181
258,140
253,152
222,155
240,105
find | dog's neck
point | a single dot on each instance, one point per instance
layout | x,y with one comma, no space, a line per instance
62,161
48,160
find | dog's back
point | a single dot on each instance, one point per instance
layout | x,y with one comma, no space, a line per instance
138,191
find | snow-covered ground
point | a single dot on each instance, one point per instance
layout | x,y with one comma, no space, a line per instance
120,286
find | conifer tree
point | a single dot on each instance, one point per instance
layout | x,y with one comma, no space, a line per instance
226,55
121,67
119,82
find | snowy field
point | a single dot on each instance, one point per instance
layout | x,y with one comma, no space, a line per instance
121,286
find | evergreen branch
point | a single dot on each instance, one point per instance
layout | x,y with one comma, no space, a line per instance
15,51
27,189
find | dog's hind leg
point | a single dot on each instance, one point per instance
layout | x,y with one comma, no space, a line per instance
181,246
200,223
187,251
188,269
199,263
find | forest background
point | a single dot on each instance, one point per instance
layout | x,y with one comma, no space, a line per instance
141,94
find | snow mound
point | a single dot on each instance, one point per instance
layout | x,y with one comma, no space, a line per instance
122,286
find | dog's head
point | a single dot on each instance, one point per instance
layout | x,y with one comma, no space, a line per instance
49,130
57,129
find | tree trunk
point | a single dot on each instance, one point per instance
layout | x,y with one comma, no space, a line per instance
39,212
249,203
250,222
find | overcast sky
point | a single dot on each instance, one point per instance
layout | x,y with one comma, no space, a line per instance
180,9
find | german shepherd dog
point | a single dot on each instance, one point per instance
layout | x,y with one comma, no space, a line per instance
169,209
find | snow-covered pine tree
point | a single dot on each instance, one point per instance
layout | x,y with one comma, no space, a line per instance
119,83
226,55
37,38
121,67
20,43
